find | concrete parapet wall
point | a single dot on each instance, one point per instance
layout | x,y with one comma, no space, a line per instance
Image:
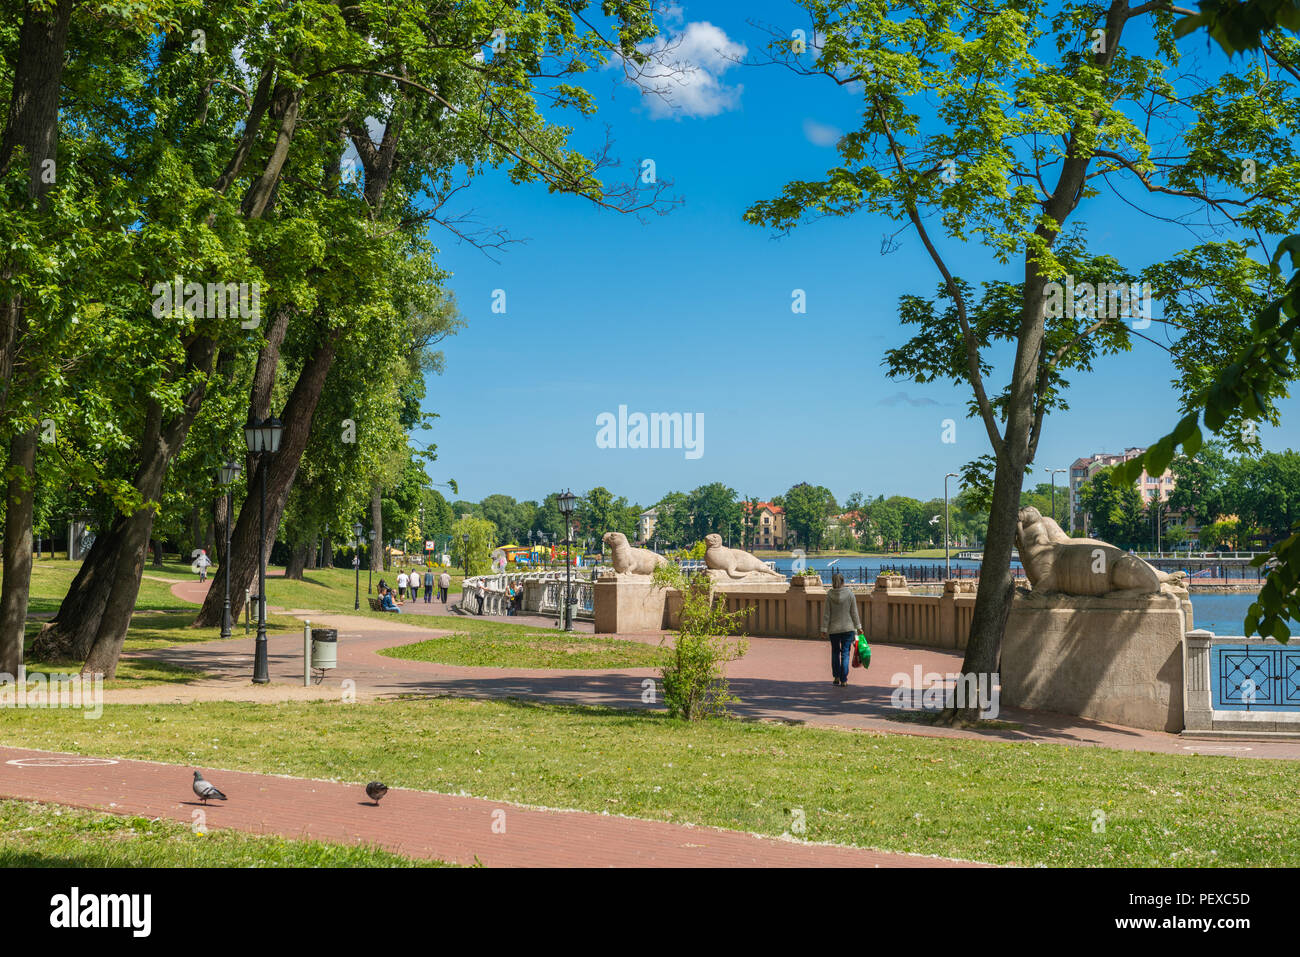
793,609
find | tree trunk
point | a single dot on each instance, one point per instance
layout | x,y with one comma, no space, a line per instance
313,553
280,470
71,632
32,124
377,521
19,493
297,561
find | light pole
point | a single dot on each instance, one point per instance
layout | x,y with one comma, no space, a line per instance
947,562
262,439
370,564
229,474
1054,472
356,562
566,502
464,555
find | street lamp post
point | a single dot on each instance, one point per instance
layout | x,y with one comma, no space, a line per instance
464,555
566,502
1054,473
262,439
229,473
356,562
947,562
370,564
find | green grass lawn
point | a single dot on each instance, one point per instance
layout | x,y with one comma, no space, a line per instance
1003,803
499,645
47,835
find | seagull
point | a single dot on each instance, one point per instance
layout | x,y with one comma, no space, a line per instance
205,789
375,790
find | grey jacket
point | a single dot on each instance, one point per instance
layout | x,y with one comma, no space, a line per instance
840,611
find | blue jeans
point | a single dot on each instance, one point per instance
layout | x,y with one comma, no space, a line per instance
841,650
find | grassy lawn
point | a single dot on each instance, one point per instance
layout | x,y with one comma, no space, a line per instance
47,835
498,645
1002,803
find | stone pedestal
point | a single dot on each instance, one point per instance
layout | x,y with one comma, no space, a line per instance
1118,660
630,605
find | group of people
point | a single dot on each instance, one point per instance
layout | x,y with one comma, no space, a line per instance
408,588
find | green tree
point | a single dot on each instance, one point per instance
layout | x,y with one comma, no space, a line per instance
1081,114
475,556
806,510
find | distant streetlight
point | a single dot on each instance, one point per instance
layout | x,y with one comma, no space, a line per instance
356,562
1054,473
947,562
229,474
464,555
262,439
370,562
566,503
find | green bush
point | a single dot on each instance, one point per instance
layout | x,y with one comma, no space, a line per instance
694,679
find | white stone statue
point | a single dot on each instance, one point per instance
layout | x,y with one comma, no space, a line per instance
631,561
1055,562
733,564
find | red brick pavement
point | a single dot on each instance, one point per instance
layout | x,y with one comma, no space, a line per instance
420,824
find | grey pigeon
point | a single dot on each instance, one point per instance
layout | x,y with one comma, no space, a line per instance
205,789
375,790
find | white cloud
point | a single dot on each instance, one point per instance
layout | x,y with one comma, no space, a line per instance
684,75
819,134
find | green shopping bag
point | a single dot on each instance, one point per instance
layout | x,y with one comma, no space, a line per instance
864,651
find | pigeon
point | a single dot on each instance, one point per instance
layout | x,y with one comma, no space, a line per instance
375,790
205,789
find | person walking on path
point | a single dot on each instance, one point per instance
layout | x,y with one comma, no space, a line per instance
401,586
444,584
428,585
841,624
201,565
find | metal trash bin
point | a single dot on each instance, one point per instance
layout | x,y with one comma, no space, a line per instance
324,648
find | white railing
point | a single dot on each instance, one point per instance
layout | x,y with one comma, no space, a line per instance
494,592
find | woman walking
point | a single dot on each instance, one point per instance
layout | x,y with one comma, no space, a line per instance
841,624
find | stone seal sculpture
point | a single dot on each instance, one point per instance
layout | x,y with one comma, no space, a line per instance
631,561
734,563
1055,562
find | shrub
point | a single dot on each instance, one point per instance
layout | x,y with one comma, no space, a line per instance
694,680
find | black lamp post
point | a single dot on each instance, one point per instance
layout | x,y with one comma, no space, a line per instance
370,564
566,502
229,474
262,439
356,562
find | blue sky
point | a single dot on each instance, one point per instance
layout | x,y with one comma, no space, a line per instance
691,312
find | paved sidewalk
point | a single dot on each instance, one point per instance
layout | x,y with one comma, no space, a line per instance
413,823
780,679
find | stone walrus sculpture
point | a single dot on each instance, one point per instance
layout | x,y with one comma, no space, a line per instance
631,561
1055,562
733,562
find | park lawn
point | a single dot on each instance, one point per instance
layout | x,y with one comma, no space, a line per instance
48,835
988,801
498,645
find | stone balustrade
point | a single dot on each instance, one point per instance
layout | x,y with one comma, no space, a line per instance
1240,687
890,612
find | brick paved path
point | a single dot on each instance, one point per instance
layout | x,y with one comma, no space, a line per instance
413,823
